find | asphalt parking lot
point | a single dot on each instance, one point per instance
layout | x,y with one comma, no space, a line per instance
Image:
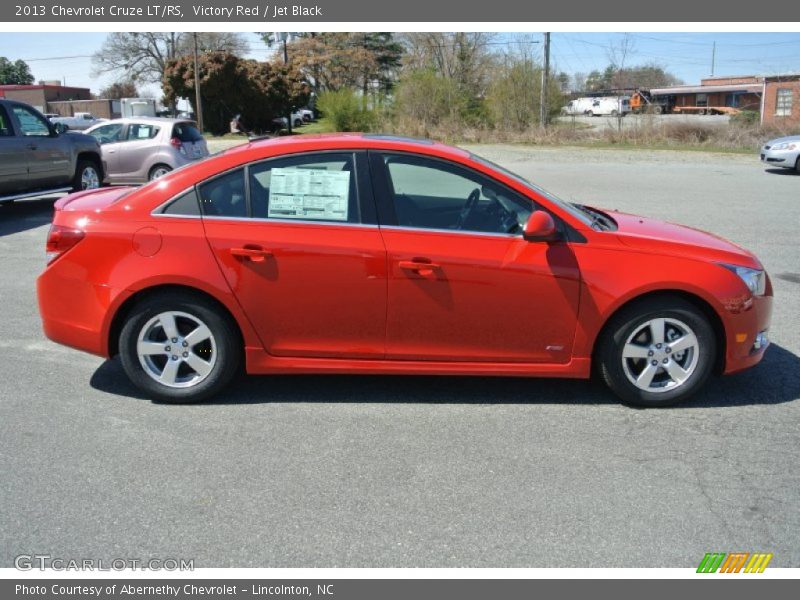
418,471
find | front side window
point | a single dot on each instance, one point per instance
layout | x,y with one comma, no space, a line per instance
433,194
141,131
30,123
108,134
315,187
783,103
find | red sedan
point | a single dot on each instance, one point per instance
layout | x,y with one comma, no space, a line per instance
375,254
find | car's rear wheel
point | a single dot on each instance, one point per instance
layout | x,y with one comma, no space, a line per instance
179,348
657,352
158,171
797,164
87,176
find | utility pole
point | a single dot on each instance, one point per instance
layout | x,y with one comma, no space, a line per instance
713,56
545,77
284,37
197,99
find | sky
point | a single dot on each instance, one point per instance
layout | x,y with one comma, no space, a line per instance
67,56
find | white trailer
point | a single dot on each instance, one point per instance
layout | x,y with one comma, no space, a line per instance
138,107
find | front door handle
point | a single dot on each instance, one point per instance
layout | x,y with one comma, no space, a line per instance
251,253
420,267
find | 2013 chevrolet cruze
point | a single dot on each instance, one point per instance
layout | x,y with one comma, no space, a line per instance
373,254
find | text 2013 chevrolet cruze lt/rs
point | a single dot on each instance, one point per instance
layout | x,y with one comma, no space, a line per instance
372,254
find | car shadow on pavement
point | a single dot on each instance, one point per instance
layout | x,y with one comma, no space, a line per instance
783,171
25,214
776,380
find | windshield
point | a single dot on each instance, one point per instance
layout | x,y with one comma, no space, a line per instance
573,209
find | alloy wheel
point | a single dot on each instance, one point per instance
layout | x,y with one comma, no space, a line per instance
176,349
660,355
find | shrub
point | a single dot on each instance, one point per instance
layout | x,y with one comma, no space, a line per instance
345,111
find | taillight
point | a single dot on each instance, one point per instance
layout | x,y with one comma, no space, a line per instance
178,145
60,239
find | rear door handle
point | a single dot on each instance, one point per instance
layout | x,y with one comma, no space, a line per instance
251,254
420,267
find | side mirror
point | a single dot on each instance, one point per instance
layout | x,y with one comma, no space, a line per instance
541,228
59,128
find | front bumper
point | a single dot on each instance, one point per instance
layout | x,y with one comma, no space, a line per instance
747,334
780,158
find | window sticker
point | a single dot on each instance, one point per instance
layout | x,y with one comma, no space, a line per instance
308,194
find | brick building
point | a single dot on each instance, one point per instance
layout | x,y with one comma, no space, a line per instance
776,97
40,95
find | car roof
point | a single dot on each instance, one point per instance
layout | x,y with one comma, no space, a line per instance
321,141
149,120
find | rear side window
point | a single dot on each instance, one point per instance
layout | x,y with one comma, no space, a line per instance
224,196
186,132
184,205
310,187
142,131
5,125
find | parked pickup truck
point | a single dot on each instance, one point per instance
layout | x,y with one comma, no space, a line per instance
36,158
79,121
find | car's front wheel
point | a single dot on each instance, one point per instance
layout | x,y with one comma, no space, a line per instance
657,352
87,176
179,348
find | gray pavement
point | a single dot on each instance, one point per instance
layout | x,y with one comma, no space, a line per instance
342,471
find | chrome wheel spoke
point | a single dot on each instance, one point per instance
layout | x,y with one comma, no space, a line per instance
635,351
150,348
167,321
170,373
676,372
200,334
200,366
657,327
686,341
646,376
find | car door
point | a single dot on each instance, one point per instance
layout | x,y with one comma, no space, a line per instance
140,143
110,137
13,158
463,283
48,154
297,239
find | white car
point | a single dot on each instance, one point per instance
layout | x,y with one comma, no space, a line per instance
782,152
610,106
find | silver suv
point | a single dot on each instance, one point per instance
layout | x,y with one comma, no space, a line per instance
140,149
37,158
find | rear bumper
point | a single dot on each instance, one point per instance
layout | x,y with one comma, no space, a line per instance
75,312
742,329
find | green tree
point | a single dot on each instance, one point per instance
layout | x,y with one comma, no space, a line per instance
229,85
14,73
120,89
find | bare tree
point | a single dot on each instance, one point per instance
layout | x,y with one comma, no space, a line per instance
143,56
461,56
618,54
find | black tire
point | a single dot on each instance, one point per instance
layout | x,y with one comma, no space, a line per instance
84,166
227,351
158,169
298,123
627,322
797,164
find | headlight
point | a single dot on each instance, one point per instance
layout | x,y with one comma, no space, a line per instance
754,279
784,146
